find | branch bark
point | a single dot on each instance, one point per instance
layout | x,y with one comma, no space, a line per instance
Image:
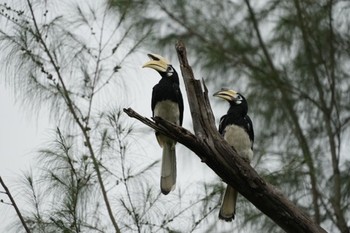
208,144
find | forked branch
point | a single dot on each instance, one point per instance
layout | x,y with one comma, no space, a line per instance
208,144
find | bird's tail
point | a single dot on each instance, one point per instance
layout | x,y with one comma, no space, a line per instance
228,205
168,172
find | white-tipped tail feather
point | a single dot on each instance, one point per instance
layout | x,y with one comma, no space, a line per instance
168,172
228,205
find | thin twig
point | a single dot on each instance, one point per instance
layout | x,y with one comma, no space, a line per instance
70,104
7,191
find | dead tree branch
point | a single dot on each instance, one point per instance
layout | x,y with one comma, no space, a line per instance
208,144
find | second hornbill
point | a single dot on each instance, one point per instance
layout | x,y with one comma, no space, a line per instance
167,103
237,129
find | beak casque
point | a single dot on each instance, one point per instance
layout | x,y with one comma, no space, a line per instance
157,62
226,94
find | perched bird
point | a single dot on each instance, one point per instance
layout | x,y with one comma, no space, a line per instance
167,103
237,129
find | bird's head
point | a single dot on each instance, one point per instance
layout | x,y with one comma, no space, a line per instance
237,101
233,97
160,64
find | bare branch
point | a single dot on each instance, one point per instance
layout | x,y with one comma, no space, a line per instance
208,144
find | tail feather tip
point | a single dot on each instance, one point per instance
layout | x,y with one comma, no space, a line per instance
165,191
227,218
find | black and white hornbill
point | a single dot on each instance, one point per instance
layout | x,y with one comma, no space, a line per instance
167,103
237,129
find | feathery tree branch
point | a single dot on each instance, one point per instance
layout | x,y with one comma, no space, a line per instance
70,104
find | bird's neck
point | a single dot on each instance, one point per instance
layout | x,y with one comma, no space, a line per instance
237,111
173,79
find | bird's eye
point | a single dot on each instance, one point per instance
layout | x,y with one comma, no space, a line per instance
170,71
238,99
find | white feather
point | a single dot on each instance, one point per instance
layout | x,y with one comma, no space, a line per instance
168,169
228,205
168,110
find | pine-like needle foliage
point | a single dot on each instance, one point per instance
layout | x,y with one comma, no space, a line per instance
68,59
289,58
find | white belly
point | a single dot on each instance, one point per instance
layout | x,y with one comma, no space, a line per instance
239,139
168,110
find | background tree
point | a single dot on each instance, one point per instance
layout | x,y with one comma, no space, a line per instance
289,58
92,177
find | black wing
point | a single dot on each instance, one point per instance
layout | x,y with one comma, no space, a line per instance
179,101
156,95
223,124
248,126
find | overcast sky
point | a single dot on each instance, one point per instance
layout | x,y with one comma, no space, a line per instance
22,133
19,136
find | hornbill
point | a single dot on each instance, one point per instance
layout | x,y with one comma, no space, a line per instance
237,129
167,103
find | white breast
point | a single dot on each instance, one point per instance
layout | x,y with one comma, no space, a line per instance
238,138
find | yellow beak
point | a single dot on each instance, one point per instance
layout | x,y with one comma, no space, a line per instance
226,94
157,62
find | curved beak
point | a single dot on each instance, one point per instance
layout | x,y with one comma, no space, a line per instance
227,94
157,62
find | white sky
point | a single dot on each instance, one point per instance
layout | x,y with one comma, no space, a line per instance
20,133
